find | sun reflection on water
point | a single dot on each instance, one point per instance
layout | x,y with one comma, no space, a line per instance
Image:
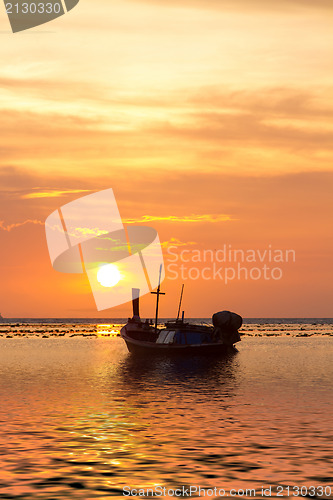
106,330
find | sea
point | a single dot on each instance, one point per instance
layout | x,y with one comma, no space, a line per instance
81,418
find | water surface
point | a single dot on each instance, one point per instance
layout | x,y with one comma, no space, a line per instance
81,418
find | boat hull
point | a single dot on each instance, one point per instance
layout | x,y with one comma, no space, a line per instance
152,349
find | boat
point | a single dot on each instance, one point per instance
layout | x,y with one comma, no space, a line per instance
179,337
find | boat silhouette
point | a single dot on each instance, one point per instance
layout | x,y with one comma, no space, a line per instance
179,337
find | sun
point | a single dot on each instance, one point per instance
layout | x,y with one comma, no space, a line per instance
108,275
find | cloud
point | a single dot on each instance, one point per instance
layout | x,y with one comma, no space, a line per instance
247,130
288,102
284,118
53,89
88,231
213,127
175,218
10,227
175,242
52,193
217,193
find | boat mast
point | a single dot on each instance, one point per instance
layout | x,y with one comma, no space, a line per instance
135,302
180,302
158,293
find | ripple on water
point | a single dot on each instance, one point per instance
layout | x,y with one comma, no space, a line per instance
84,419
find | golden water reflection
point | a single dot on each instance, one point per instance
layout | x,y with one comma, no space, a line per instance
81,418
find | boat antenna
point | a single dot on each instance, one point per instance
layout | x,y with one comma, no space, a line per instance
158,293
180,302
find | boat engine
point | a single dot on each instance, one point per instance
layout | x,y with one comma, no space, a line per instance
226,325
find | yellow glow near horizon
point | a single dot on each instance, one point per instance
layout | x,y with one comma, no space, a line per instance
108,275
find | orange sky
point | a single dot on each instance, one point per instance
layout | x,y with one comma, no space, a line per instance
212,118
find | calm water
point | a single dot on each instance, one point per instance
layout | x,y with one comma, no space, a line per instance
80,418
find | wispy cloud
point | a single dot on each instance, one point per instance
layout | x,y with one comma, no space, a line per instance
175,242
214,127
184,218
87,231
9,227
53,193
